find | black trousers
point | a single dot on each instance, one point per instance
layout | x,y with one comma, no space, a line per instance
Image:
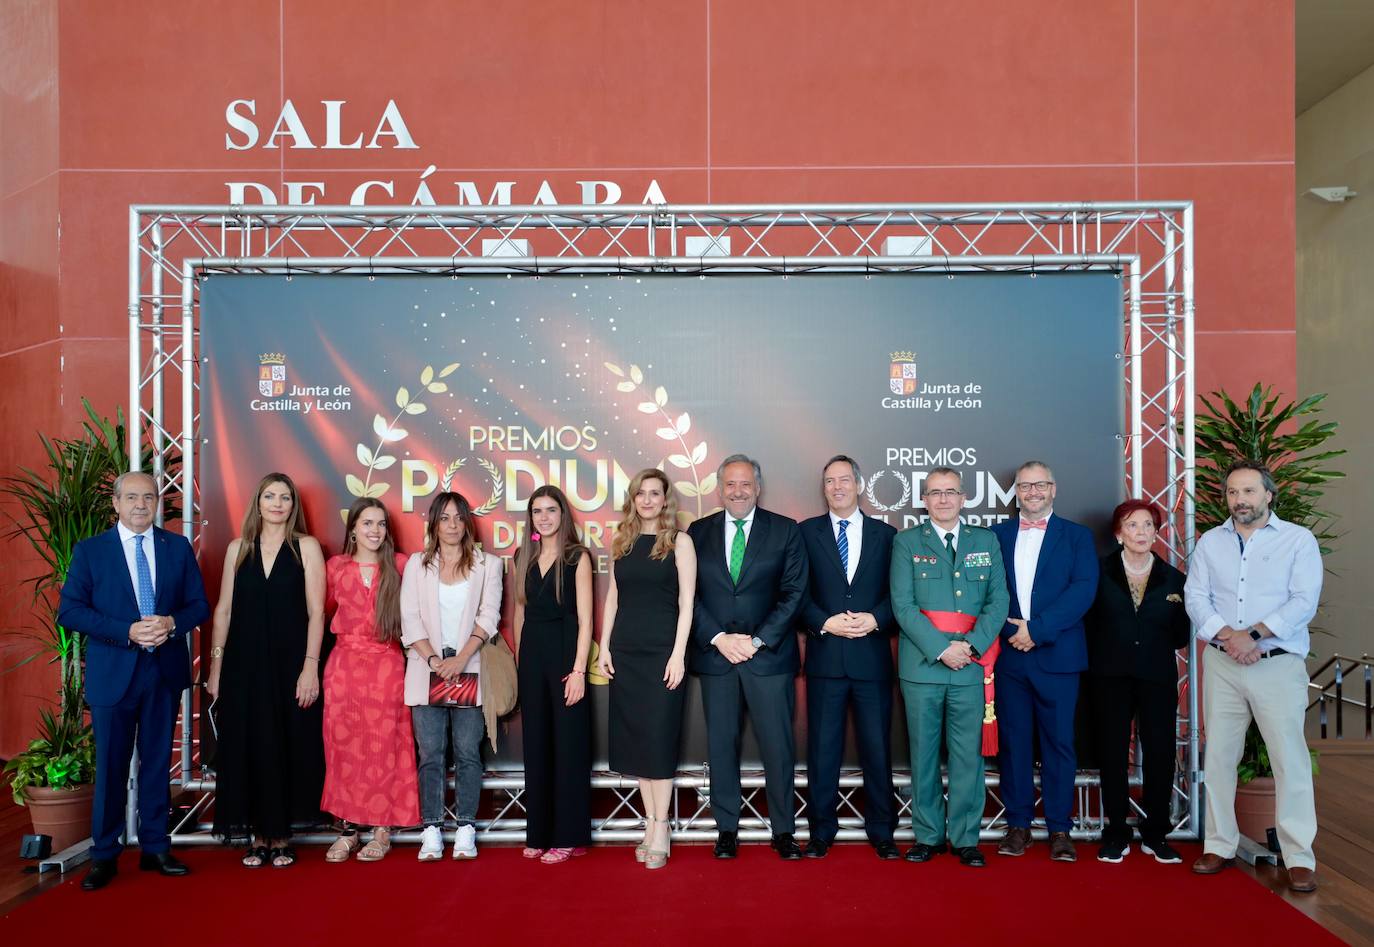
770,699
1116,701
558,753
828,700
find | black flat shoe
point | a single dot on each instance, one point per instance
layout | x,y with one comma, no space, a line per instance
164,863
786,846
816,848
727,845
921,852
102,873
887,849
971,856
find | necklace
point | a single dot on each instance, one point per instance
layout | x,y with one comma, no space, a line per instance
365,572
1136,572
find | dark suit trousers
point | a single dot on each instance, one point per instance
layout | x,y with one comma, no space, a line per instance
145,716
1115,702
558,754
827,704
1033,703
771,699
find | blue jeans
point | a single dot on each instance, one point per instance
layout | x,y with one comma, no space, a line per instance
433,728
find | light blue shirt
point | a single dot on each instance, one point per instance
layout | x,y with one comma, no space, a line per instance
127,540
1276,580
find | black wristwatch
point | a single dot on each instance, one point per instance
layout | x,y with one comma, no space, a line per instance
1255,635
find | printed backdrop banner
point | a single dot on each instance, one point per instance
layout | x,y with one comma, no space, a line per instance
400,386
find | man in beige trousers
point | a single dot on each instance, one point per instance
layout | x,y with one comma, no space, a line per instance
1253,584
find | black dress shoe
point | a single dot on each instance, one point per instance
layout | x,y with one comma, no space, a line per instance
786,846
921,852
817,848
971,856
727,845
887,849
164,863
102,873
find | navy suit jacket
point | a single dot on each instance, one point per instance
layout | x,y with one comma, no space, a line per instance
766,601
1065,586
829,592
99,601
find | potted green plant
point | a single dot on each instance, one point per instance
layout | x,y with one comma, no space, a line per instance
1291,440
53,509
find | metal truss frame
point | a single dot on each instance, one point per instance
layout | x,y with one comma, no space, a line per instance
1149,245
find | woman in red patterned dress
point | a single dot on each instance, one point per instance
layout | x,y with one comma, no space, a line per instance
369,749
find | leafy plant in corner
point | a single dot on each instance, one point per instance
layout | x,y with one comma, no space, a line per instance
1291,441
53,509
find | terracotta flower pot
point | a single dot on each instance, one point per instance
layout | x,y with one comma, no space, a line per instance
64,814
1255,808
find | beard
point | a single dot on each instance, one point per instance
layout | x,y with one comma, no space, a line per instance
1246,516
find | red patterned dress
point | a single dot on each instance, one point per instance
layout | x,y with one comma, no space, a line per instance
369,748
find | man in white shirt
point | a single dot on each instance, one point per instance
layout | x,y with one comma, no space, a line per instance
1253,585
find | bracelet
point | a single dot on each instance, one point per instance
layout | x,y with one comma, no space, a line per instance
577,671
429,661
217,651
312,657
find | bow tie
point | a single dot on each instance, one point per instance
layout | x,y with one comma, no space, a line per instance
1034,524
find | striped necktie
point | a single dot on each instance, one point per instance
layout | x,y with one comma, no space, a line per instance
843,541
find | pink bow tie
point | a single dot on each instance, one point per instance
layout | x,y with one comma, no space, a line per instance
1033,524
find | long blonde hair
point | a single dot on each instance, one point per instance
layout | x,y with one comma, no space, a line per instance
252,519
629,529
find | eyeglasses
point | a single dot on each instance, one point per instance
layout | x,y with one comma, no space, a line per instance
943,494
1039,486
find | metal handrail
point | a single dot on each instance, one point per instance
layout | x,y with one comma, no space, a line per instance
1340,666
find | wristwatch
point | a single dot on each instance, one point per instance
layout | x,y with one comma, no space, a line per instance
217,651
757,642
1255,635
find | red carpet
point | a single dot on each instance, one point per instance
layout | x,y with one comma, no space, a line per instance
605,897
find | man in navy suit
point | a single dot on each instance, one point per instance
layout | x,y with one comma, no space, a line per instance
135,592
847,615
1051,567
751,576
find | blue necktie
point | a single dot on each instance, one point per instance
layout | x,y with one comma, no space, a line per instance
146,597
844,547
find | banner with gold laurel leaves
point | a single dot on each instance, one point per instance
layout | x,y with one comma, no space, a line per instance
400,386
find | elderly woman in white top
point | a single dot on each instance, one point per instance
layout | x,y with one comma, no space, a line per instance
450,605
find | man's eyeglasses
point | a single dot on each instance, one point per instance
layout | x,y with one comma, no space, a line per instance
943,494
1038,486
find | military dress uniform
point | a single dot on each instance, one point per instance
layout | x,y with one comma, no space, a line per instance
942,594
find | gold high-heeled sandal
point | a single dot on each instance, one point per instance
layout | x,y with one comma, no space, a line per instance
642,850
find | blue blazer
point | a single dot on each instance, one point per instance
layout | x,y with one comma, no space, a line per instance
765,603
1065,586
99,601
830,592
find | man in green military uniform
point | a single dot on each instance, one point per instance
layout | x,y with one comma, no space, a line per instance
949,594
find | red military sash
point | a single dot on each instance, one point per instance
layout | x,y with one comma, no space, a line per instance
958,623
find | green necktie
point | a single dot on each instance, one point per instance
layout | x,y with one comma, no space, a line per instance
737,551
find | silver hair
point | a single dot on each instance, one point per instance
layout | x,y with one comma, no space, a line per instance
1035,463
948,472
741,459
118,486
845,458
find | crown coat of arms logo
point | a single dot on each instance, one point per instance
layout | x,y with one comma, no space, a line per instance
272,374
902,376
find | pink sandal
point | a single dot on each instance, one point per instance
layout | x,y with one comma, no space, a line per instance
532,852
557,856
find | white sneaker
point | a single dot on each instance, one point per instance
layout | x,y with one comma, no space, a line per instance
431,844
465,842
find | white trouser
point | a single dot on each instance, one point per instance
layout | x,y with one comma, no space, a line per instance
1274,692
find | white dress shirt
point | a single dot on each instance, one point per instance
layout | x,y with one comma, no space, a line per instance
1276,578
127,540
1028,543
940,534
730,533
854,532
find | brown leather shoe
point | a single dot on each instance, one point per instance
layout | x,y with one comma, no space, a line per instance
1015,842
1302,880
1211,863
1061,848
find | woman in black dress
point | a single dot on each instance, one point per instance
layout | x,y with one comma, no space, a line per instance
553,632
648,615
265,678
1135,625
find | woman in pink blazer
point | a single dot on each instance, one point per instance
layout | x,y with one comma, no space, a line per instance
450,606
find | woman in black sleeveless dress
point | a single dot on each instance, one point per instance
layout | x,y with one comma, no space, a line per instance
553,633
264,675
643,649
